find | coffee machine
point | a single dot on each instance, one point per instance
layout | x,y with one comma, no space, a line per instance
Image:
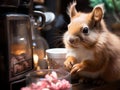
15,43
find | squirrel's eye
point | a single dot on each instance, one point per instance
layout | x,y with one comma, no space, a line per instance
85,30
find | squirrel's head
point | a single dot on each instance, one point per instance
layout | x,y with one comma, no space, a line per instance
84,28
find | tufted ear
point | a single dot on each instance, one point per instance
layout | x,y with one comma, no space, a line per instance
72,10
98,12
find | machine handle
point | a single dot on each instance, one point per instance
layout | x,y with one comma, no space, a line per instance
37,15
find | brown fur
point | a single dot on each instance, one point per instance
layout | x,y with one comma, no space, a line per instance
93,54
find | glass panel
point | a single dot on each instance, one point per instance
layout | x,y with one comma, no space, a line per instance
20,46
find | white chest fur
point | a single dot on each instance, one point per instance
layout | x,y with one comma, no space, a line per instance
80,53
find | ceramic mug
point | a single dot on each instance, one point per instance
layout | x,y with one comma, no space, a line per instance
56,57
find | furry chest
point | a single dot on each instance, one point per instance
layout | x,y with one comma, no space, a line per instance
80,54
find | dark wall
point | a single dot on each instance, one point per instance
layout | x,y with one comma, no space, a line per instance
82,5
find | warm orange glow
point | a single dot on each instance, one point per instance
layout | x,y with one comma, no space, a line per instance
38,68
35,58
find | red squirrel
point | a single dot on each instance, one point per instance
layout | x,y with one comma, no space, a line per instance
92,50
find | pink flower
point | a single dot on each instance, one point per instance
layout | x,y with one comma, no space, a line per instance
52,77
51,82
26,88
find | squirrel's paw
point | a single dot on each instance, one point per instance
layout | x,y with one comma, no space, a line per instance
69,63
76,68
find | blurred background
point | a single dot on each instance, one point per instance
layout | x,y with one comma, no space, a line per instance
54,31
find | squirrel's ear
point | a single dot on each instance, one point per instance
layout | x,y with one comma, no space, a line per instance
98,12
71,9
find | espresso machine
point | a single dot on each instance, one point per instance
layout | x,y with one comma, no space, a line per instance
16,58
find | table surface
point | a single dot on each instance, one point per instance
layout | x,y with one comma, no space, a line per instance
111,86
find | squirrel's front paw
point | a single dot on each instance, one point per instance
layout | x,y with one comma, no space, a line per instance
76,68
69,62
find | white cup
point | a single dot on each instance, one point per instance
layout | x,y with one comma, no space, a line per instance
56,57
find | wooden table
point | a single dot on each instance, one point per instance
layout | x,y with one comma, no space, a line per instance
111,86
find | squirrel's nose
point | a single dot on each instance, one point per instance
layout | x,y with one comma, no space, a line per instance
74,40
71,40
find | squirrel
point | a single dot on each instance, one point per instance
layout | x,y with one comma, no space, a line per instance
92,50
